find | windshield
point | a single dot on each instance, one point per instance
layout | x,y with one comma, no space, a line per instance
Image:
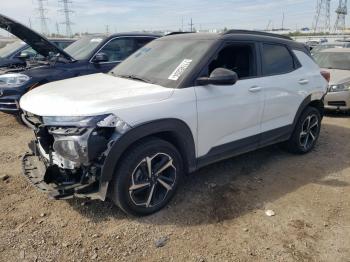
164,62
333,60
10,48
83,48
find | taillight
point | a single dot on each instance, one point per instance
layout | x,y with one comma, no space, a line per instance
326,75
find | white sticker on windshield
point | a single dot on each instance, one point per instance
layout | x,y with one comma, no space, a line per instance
96,40
180,70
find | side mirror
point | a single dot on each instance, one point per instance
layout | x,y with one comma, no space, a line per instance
24,55
100,58
220,76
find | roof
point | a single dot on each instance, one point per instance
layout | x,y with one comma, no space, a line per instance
229,34
335,50
238,35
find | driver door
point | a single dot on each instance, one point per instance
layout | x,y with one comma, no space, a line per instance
229,116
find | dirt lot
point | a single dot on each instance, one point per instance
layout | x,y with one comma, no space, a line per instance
218,215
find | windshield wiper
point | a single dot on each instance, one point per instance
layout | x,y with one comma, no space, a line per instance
135,77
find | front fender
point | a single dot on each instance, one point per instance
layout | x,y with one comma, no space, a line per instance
175,131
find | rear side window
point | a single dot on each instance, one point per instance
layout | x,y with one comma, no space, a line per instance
141,41
277,60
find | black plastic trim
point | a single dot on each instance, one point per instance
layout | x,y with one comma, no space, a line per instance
179,131
245,145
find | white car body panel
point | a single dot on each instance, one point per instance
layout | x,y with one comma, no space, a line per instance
283,94
227,113
97,94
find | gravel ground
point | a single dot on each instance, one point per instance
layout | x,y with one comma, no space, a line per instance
218,214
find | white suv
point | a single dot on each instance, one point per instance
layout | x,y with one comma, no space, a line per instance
179,103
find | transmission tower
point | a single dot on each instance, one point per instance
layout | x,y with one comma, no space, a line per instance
322,20
341,11
67,11
42,17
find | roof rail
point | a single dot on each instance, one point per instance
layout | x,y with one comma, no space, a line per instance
178,33
251,32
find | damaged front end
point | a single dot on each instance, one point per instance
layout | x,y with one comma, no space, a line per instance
68,154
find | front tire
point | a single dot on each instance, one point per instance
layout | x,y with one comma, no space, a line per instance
306,133
147,177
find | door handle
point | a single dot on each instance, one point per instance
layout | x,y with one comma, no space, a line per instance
303,81
255,89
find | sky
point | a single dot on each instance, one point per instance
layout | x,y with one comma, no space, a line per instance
134,15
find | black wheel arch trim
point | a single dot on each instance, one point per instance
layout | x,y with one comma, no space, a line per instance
306,102
178,130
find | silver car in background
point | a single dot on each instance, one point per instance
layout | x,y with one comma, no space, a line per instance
337,62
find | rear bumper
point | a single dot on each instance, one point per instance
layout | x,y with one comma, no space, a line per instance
338,101
45,178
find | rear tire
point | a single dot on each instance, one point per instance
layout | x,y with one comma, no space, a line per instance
147,177
306,132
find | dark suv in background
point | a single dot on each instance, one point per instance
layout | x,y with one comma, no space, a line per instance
90,54
16,54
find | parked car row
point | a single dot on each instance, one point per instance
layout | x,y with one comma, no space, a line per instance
176,104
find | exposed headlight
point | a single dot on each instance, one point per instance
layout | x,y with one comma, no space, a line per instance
340,87
13,80
110,121
68,149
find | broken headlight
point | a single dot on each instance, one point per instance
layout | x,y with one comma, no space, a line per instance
82,139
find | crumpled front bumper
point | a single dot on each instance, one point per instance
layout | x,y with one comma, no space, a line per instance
39,174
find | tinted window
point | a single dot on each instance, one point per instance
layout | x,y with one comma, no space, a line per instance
141,41
237,58
277,60
118,49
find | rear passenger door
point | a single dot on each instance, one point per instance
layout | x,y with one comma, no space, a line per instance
283,84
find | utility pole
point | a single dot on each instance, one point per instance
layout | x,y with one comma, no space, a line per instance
283,21
322,20
67,11
341,11
191,25
57,29
107,29
30,22
42,17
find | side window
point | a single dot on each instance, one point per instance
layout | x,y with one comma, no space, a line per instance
239,58
141,41
118,49
276,60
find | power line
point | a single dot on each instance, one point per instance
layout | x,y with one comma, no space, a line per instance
341,11
67,11
322,20
42,17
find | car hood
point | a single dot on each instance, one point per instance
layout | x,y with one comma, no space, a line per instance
38,42
338,76
91,95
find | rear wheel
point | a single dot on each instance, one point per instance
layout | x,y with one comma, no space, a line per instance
306,132
147,177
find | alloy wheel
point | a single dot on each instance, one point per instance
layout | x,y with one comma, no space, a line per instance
309,132
152,179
